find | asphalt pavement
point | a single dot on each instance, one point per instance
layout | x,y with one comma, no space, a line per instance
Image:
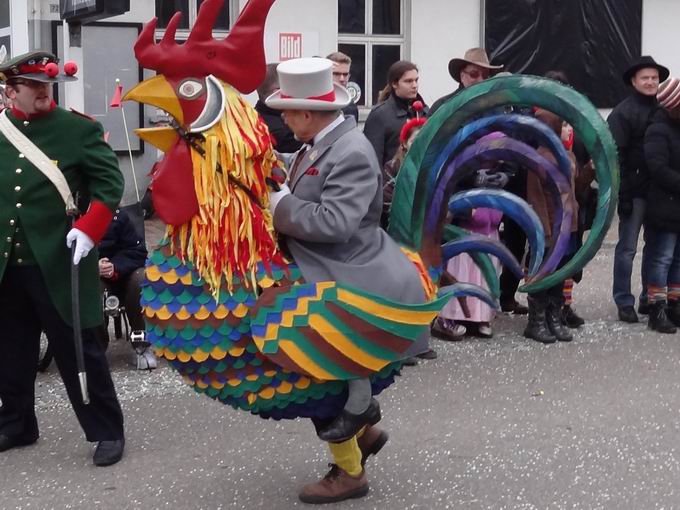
490,424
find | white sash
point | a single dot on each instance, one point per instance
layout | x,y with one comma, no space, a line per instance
39,160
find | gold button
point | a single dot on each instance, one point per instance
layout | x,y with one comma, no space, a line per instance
18,205
26,123
8,239
21,155
20,260
12,222
18,170
17,188
6,254
18,245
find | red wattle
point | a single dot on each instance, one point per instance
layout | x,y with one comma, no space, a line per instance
174,194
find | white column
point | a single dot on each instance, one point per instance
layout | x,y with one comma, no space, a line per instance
18,10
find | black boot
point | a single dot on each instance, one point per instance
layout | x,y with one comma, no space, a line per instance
570,318
673,311
536,328
658,320
347,424
553,317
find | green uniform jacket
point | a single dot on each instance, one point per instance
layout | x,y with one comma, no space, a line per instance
33,220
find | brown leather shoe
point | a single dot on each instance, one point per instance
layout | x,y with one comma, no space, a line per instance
371,442
336,486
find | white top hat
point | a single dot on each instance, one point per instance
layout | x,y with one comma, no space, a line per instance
307,84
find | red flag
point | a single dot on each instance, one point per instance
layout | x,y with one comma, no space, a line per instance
117,96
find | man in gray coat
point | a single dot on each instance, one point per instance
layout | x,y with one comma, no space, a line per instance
328,215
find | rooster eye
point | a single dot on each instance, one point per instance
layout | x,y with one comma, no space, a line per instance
190,89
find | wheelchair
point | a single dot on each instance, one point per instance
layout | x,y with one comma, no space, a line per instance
115,311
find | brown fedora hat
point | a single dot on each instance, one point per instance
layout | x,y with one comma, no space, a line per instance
475,56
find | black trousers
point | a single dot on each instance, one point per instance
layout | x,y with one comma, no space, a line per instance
515,240
25,310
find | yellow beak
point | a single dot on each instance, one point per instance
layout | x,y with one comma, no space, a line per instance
157,92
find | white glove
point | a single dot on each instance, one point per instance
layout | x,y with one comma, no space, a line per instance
276,196
83,244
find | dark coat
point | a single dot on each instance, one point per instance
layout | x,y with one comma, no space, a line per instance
283,139
122,245
384,124
439,102
628,122
662,150
351,110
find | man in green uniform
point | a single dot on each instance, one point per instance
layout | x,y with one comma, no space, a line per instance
35,260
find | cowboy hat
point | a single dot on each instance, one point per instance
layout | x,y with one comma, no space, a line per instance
474,56
307,84
643,63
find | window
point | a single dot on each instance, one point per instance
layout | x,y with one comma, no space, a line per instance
165,9
371,32
5,31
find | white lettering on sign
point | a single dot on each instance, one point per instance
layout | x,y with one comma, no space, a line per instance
290,46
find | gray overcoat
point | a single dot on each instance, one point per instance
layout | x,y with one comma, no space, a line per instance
331,221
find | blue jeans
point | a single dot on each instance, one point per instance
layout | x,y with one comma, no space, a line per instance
624,254
663,258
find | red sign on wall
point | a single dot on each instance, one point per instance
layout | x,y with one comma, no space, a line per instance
290,46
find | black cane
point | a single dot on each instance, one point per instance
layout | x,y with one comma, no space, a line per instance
77,333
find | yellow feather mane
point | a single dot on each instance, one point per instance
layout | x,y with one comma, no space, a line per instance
231,233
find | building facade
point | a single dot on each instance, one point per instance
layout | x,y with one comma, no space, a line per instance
375,33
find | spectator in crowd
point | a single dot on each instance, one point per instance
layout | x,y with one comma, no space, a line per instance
391,169
3,99
283,139
628,122
662,222
545,307
473,68
341,73
122,254
586,197
395,107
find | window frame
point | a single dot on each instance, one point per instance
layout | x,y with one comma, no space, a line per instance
369,40
183,33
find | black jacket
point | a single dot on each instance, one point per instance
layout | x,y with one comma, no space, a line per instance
439,102
628,123
662,150
122,245
351,110
384,124
283,138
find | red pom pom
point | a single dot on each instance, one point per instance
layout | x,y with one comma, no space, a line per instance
51,69
70,68
418,106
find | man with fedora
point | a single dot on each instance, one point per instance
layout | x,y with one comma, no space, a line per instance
328,214
473,68
48,158
628,122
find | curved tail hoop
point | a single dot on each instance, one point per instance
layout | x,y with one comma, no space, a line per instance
415,187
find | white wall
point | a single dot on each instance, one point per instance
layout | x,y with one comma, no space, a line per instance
440,31
660,32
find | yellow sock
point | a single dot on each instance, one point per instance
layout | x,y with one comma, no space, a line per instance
347,456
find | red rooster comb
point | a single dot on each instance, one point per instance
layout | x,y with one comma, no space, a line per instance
238,59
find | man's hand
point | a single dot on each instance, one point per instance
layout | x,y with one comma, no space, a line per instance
83,244
276,196
106,269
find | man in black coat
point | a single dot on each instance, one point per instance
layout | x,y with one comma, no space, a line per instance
283,139
628,122
341,73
